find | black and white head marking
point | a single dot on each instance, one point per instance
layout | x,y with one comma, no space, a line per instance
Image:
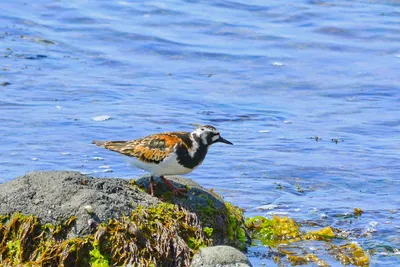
207,134
202,138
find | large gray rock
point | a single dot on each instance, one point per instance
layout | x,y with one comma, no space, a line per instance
220,256
57,195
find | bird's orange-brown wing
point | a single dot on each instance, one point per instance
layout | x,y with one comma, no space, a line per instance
153,148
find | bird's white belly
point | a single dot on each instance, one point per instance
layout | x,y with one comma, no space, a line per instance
169,166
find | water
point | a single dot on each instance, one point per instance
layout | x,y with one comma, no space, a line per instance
270,75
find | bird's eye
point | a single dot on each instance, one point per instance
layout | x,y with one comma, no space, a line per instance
202,129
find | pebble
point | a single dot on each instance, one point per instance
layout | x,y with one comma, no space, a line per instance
89,209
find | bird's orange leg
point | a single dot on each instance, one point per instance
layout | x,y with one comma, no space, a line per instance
152,185
177,191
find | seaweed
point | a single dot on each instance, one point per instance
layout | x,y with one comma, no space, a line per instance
162,235
285,235
275,231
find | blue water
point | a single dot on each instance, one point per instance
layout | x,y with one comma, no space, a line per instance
270,75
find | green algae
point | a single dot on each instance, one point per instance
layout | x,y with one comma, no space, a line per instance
14,250
133,183
226,222
275,231
208,231
4,218
195,243
96,258
237,232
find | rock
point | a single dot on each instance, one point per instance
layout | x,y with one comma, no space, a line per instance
222,256
55,196
110,221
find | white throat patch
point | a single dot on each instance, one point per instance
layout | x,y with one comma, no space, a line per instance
204,139
195,146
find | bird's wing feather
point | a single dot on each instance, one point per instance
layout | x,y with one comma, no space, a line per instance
153,148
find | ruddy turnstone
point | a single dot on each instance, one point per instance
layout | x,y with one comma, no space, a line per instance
169,153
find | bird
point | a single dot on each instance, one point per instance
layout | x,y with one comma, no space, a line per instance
168,153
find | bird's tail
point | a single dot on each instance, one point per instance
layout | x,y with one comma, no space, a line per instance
117,146
99,143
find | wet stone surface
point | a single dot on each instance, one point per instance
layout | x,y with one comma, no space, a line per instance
56,196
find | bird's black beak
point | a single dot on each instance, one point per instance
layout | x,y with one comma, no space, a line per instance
222,140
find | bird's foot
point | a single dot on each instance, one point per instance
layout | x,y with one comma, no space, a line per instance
176,190
179,192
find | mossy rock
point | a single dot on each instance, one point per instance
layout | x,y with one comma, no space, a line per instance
223,221
124,225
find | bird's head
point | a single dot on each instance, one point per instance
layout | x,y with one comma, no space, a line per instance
209,135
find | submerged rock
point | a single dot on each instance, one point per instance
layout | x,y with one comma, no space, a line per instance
222,256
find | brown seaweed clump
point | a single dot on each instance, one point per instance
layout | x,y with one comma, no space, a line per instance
25,241
163,235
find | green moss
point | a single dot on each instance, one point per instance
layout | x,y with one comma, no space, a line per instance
133,183
209,210
232,230
168,196
195,243
96,258
236,226
208,231
14,250
4,218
